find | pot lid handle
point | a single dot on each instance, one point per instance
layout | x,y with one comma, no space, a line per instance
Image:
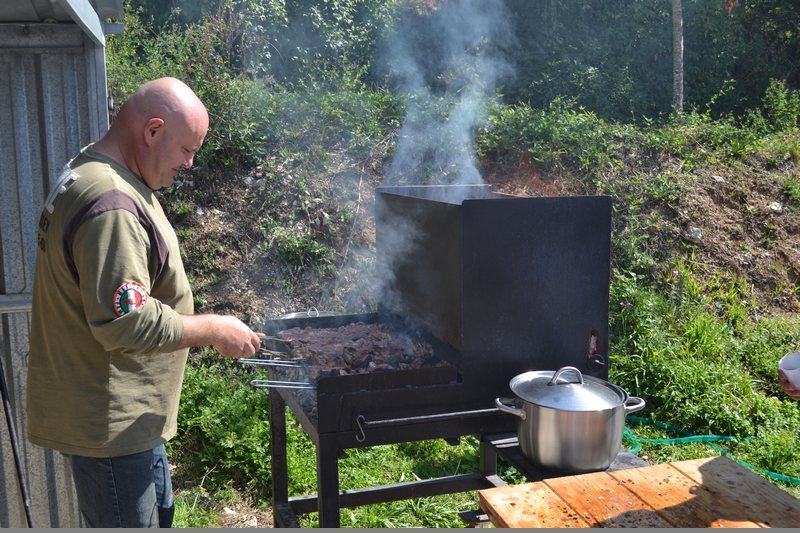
561,370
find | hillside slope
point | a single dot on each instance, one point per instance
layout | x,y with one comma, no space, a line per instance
734,221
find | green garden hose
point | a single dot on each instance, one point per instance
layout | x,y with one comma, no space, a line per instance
708,439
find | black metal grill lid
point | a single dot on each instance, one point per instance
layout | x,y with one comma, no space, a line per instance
567,389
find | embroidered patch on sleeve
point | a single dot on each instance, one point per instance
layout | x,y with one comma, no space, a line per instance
129,297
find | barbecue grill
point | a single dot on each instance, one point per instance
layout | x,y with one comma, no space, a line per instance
497,285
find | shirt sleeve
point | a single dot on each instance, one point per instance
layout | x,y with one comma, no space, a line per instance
114,262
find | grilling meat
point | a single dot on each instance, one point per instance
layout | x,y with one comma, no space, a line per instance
356,348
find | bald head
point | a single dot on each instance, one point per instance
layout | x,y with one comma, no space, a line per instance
165,98
157,131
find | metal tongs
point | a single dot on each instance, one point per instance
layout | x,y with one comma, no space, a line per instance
277,359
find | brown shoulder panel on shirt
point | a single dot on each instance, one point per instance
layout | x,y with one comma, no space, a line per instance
105,202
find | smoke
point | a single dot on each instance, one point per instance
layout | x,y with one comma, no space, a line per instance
446,64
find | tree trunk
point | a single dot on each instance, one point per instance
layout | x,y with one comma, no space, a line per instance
677,56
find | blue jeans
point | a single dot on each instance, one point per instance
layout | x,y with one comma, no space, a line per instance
128,491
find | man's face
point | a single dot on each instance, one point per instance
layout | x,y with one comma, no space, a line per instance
174,145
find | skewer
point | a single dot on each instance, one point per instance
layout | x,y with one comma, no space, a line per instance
271,362
268,384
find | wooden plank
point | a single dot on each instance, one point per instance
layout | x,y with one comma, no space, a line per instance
680,500
710,492
604,502
762,502
528,505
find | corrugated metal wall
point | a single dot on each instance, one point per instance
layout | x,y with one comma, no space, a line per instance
52,103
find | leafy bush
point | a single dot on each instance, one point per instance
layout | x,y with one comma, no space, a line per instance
223,431
561,132
304,120
773,452
192,511
781,107
696,138
694,370
199,55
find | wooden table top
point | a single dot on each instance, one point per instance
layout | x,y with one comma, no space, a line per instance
709,492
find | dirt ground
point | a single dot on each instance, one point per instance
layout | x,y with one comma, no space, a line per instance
749,228
244,515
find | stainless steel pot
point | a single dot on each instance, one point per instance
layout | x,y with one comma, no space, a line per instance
572,425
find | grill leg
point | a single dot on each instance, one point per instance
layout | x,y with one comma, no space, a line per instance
488,459
280,472
327,482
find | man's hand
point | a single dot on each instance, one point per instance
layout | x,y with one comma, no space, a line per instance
791,390
229,335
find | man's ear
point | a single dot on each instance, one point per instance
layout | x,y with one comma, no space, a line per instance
152,129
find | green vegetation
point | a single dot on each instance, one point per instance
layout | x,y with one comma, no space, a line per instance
311,118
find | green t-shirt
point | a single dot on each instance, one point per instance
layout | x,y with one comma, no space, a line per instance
104,374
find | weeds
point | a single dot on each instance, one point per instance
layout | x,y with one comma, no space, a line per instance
791,188
192,510
694,334
561,133
300,251
223,433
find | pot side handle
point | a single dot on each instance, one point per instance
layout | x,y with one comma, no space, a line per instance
638,404
516,411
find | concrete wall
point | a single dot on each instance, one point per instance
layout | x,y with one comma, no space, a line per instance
52,103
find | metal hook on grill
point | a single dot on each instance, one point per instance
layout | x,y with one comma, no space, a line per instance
362,437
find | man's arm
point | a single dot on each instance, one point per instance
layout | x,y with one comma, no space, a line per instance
230,336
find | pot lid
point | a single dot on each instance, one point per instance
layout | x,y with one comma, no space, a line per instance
567,389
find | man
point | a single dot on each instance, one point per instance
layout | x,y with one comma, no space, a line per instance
112,319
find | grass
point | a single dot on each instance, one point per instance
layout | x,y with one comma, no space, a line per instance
704,368
401,463
193,510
